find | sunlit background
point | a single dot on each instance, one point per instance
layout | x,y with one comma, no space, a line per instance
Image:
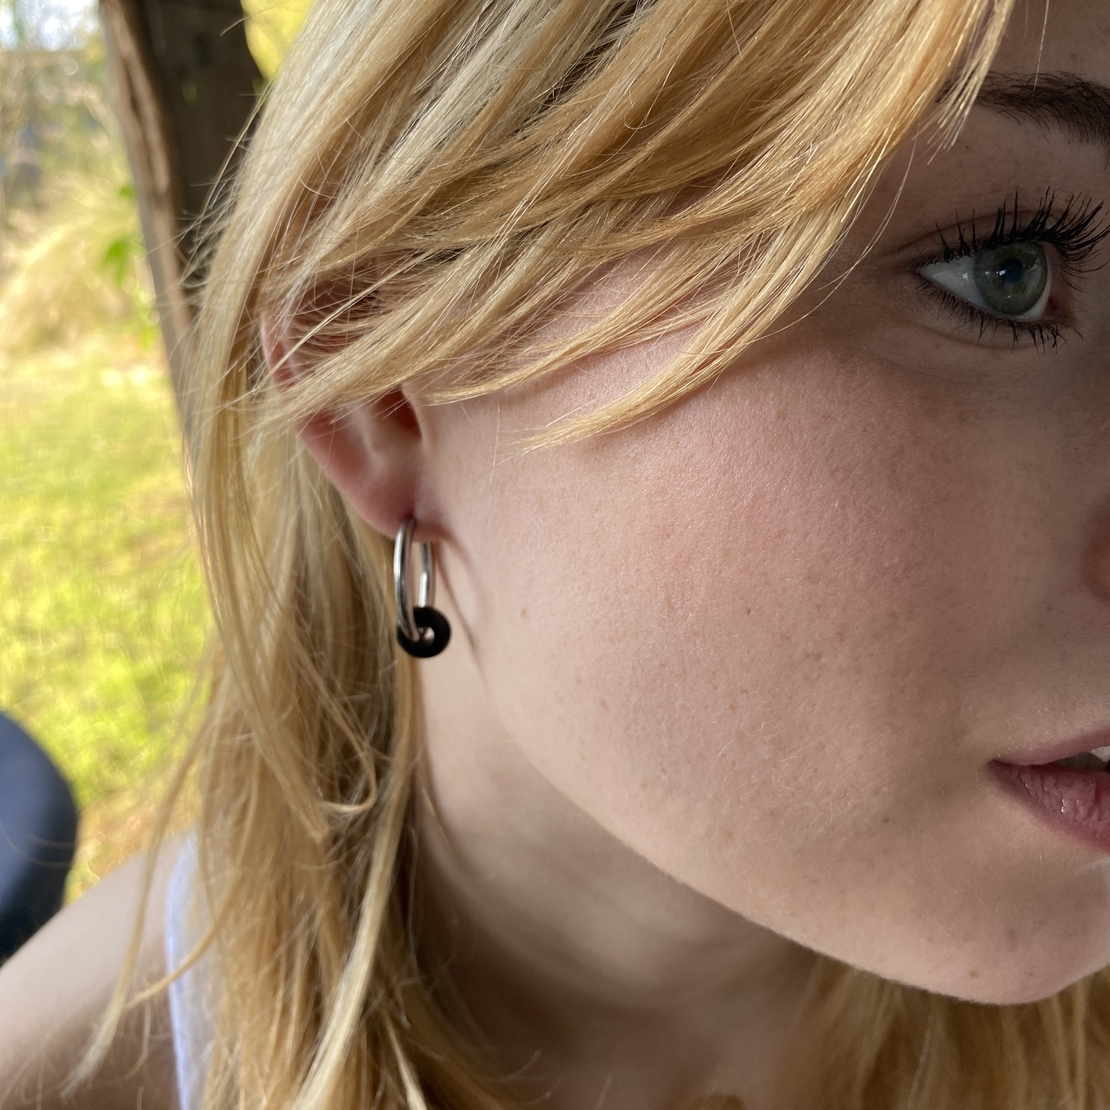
102,608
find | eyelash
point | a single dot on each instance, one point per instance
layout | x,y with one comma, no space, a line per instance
1073,230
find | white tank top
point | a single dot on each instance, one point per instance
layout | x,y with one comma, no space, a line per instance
191,1002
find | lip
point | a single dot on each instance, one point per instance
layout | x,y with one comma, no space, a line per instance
1073,802
1062,749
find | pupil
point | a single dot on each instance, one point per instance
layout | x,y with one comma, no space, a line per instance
1011,279
1011,271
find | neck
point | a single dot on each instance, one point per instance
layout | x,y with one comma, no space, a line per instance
599,979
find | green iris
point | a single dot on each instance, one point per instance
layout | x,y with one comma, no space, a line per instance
1011,279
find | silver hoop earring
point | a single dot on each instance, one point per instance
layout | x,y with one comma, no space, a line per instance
422,631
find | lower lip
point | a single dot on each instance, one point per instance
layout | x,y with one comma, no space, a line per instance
1075,802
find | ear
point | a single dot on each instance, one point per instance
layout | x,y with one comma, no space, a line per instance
372,452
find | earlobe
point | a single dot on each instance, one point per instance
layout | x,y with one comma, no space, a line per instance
371,452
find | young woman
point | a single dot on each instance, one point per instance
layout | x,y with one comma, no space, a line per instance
743,366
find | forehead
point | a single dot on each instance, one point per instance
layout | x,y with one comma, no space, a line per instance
1063,36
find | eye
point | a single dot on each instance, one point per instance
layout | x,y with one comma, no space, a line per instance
1012,281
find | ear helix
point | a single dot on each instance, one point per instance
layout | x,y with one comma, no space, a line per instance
422,630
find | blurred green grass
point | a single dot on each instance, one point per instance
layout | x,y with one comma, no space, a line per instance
102,611
102,607
103,617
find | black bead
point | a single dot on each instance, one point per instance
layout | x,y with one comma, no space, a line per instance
427,620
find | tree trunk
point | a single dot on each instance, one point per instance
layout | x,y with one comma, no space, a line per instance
184,84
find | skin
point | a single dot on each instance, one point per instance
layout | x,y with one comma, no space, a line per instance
724,687
54,990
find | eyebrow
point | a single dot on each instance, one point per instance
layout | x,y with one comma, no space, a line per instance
1078,106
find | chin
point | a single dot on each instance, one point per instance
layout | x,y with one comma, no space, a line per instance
1014,974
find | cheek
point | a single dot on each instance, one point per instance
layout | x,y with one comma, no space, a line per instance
748,638
765,582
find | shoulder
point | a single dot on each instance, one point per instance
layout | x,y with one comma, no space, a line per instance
55,989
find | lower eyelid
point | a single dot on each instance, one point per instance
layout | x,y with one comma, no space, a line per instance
1041,334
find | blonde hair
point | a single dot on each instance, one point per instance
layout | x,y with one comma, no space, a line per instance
429,179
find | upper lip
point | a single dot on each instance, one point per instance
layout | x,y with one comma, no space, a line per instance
1060,750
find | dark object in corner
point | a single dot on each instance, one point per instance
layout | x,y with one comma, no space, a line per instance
38,833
